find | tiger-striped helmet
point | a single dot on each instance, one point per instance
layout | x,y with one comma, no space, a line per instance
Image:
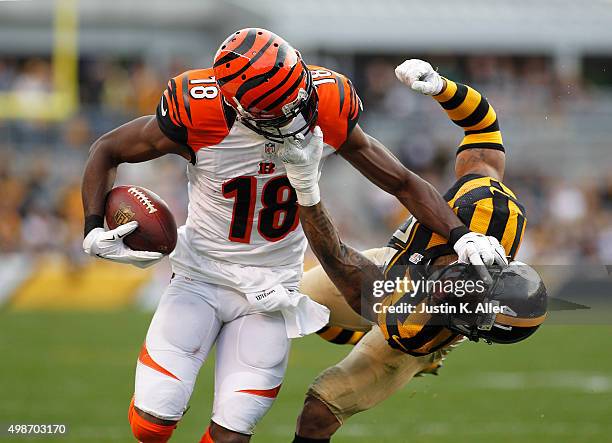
265,79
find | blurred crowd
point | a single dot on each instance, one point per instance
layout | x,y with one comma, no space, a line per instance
569,218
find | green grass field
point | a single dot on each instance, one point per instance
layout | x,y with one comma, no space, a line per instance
77,368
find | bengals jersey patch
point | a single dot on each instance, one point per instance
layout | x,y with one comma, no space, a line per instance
485,205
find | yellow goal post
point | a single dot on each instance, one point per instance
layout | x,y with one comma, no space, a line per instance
62,100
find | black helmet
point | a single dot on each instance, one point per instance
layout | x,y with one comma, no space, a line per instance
509,309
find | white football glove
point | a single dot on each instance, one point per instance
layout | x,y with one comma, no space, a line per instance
302,165
109,245
420,76
480,250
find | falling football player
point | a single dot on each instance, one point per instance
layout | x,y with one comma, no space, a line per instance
393,343
239,256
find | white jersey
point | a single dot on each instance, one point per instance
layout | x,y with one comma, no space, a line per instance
243,215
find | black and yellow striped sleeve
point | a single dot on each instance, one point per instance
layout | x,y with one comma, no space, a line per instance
340,336
470,110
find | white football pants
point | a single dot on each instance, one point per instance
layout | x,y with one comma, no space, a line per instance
251,354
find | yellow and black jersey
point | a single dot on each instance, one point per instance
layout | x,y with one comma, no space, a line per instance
485,205
470,110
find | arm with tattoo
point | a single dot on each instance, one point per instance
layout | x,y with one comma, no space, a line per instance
351,272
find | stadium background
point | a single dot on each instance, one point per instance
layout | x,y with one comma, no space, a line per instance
70,327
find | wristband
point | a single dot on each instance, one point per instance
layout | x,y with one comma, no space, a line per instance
309,198
93,222
456,234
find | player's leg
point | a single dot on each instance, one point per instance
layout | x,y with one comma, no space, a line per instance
181,334
345,326
251,360
368,375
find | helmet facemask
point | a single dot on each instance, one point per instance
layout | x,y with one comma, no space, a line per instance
501,296
469,323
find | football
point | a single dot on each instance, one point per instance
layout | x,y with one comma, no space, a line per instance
156,225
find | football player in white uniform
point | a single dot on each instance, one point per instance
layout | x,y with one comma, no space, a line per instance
239,256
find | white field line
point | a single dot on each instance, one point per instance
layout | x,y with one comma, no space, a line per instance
442,428
586,382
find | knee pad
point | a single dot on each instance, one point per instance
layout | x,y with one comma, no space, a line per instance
242,410
147,432
159,394
251,360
